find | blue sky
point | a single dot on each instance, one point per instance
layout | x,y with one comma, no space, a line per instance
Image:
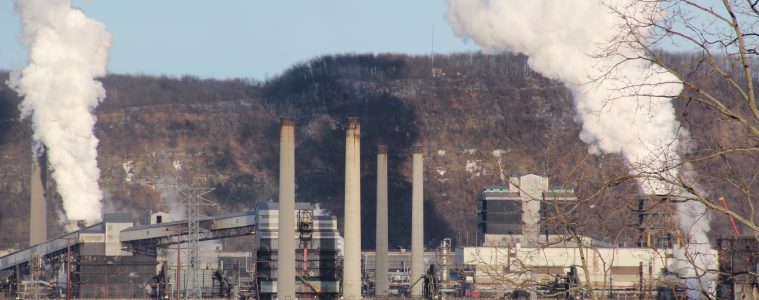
249,39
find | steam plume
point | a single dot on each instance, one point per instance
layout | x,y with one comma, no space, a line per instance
566,40
67,51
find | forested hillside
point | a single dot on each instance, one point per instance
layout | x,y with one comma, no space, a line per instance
480,118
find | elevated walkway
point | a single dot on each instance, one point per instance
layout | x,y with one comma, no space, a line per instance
145,239
96,239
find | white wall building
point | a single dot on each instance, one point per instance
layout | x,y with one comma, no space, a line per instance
504,269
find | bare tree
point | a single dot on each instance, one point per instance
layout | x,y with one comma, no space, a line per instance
718,50
711,49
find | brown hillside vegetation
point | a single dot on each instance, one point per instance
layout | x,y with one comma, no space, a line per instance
480,118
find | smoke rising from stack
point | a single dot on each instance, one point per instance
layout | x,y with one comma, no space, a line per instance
67,52
563,40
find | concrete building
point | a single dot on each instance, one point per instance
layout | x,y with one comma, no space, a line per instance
496,271
518,212
159,217
316,254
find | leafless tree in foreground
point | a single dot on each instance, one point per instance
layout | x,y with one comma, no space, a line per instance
714,57
718,52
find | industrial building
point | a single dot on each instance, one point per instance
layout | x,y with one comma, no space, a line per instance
93,257
298,253
399,270
520,211
654,221
169,258
316,258
497,271
738,266
523,249
115,259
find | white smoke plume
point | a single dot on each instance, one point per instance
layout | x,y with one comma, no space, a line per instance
566,41
67,51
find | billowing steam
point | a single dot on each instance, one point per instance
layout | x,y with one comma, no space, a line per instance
569,41
67,51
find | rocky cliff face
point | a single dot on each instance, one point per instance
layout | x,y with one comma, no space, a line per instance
479,117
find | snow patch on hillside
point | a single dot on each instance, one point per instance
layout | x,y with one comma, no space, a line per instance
128,167
474,167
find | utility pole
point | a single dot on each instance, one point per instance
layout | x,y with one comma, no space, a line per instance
179,296
68,269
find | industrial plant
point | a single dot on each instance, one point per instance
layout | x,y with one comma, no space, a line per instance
298,252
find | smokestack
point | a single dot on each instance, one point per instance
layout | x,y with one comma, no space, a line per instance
380,285
286,234
352,226
38,207
417,220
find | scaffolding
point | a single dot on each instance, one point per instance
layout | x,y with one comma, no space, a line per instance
195,199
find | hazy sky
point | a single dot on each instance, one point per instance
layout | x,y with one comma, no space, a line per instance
252,39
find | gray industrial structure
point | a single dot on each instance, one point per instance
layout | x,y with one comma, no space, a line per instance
738,267
117,259
298,255
520,211
399,268
92,255
316,255
654,222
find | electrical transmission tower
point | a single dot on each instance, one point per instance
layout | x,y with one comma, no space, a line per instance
195,199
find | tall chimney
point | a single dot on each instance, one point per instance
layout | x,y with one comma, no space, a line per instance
352,226
38,206
417,221
380,285
286,234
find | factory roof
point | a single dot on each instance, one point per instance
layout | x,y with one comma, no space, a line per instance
269,205
117,218
559,195
504,191
184,221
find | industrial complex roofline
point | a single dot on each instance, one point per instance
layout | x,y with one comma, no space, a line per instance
60,243
143,239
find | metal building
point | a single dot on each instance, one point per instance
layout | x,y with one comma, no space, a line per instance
520,211
317,269
738,267
93,257
399,268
